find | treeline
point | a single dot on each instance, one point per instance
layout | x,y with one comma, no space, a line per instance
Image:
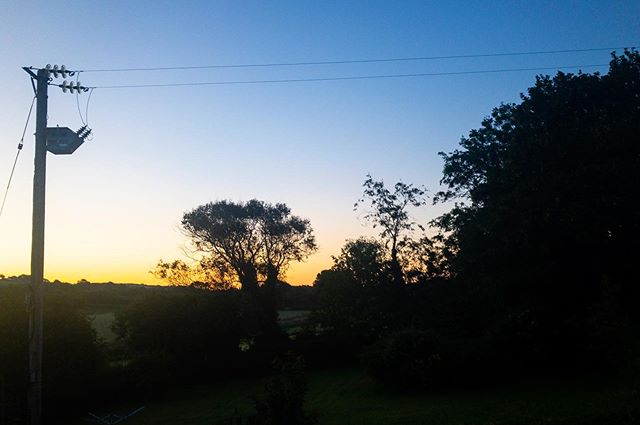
533,270
74,359
165,337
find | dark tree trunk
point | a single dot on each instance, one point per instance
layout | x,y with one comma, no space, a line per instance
396,273
396,270
248,278
272,276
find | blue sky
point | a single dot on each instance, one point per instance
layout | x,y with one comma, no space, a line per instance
113,208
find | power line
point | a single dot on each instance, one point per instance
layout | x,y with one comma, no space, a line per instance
346,78
78,99
86,112
356,61
15,161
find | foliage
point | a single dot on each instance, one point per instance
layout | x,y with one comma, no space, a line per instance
286,238
208,273
562,161
341,301
357,303
363,259
13,351
72,358
250,239
283,401
301,297
196,335
406,360
390,212
185,348
427,259
551,219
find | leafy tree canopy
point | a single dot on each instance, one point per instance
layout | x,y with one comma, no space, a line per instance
364,260
253,240
207,273
549,188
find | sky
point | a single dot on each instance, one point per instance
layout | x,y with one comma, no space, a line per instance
114,207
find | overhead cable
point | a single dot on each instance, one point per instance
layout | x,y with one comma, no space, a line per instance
15,161
346,78
357,61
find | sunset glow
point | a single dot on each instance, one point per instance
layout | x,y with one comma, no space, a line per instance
114,206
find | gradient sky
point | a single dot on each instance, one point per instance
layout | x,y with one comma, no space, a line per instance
113,208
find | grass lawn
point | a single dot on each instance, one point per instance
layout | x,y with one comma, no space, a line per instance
349,397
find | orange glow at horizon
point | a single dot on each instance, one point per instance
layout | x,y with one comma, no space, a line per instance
298,274
303,273
106,242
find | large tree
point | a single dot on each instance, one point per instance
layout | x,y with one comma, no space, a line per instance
256,240
549,194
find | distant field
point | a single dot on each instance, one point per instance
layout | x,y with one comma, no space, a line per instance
349,397
290,320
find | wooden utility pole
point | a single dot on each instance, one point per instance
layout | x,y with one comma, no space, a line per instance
37,252
62,141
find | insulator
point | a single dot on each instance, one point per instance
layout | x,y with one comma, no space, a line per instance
71,88
48,67
55,71
84,133
65,86
63,71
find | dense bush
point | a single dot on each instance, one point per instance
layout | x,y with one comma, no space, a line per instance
191,335
72,359
421,359
283,399
350,315
13,351
548,218
540,248
407,359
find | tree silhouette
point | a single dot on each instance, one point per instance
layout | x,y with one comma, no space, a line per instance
550,199
253,239
390,211
207,273
364,259
286,238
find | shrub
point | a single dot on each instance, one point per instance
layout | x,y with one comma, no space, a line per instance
72,357
191,335
406,359
283,401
